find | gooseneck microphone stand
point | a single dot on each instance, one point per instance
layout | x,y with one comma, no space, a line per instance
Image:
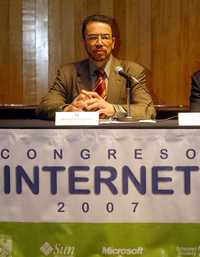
130,83
129,86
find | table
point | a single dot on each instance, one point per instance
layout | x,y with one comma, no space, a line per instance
108,190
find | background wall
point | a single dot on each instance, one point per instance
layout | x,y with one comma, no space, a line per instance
36,36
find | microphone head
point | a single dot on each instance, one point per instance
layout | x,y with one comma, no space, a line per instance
118,69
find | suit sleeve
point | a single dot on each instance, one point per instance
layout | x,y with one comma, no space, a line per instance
59,95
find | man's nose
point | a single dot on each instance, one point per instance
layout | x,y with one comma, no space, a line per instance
99,40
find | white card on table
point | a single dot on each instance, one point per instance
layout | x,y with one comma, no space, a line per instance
76,118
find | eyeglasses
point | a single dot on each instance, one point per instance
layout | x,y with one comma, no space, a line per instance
92,38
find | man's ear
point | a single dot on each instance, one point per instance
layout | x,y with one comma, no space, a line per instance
113,43
84,42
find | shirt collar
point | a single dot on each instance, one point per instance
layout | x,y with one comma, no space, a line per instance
93,68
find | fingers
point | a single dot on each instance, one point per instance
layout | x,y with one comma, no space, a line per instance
79,103
85,94
104,108
107,110
87,101
71,108
90,94
95,95
94,104
93,107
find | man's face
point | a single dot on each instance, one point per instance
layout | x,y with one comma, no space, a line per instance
99,42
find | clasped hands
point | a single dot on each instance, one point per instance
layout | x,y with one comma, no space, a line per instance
90,101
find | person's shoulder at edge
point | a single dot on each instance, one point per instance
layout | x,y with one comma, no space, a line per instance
195,92
196,82
196,74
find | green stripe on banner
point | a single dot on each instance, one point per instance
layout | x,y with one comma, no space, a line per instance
99,240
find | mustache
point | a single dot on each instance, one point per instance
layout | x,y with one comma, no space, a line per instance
99,49
99,46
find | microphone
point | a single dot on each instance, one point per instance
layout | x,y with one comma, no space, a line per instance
119,70
130,81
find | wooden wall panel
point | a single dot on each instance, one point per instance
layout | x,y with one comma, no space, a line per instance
42,58
80,11
106,7
138,32
119,13
169,45
37,36
54,37
61,34
15,88
4,49
10,52
35,50
183,81
29,51
193,36
175,54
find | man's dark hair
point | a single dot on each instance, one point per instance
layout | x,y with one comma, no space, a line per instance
98,18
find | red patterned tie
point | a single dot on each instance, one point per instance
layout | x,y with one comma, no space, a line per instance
100,84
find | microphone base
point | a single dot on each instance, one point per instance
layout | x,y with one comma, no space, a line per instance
127,119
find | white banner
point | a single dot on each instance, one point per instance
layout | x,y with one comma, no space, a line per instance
100,175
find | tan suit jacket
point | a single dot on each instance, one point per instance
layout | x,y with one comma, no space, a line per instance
71,78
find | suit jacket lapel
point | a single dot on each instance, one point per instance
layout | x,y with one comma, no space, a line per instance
116,84
83,76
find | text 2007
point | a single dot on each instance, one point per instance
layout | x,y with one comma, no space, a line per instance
85,207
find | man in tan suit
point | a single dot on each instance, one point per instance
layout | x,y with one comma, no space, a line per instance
74,88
